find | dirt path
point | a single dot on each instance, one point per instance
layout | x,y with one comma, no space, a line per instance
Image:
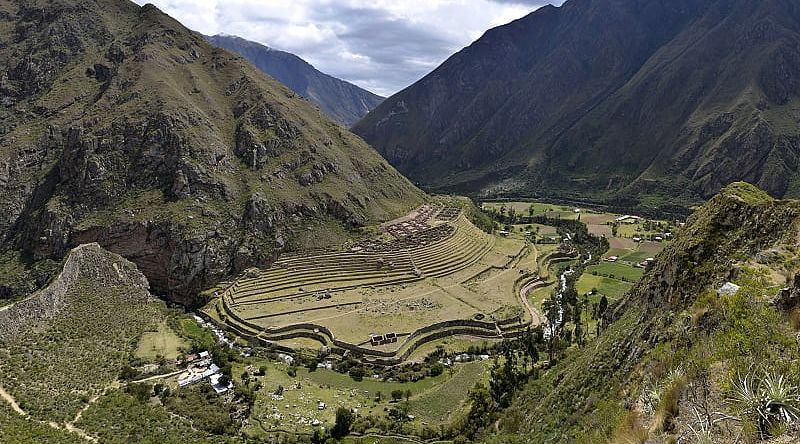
12,402
165,375
536,317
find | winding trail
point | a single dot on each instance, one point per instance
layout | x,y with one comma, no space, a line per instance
162,376
536,317
12,402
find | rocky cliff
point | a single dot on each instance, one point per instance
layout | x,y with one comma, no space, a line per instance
342,101
608,100
122,127
86,262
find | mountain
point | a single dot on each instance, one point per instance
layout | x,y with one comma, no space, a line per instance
342,101
608,100
122,127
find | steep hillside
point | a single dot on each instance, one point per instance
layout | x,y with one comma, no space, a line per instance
67,358
121,126
342,101
608,100
670,365
80,305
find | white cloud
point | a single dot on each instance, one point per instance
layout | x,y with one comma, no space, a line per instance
381,45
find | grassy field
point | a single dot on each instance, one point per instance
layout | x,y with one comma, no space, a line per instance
612,288
437,404
161,343
368,385
616,270
297,406
635,256
539,209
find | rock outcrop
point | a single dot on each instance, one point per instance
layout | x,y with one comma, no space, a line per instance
85,262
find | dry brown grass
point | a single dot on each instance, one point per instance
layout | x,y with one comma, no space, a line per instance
794,318
668,407
630,431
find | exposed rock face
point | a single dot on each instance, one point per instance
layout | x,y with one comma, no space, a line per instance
342,101
608,99
120,126
740,221
85,262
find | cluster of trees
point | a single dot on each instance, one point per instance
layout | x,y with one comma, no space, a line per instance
568,317
408,372
513,366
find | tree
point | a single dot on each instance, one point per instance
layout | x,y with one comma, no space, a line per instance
344,420
481,410
602,307
128,373
357,373
139,391
397,394
408,394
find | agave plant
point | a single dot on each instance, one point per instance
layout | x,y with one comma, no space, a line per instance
769,399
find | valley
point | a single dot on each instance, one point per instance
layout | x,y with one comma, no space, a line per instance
580,228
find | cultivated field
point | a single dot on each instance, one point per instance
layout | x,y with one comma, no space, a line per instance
428,275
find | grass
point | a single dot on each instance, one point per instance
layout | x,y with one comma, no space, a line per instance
617,271
342,381
539,209
636,256
612,288
301,394
436,405
161,343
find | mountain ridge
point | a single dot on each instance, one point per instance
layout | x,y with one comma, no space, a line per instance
612,101
339,99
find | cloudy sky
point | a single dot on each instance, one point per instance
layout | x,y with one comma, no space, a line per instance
380,45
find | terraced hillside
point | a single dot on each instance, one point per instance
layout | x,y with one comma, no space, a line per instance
439,276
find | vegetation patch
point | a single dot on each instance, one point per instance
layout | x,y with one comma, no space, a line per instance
161,344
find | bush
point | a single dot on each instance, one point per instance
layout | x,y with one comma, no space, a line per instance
357,373
139,391
436,369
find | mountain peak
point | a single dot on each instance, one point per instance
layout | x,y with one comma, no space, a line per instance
341,100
